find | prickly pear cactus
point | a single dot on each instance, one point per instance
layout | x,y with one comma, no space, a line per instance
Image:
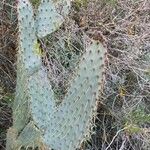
29,63
36,118
66,126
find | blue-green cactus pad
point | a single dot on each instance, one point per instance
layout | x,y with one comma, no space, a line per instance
50,16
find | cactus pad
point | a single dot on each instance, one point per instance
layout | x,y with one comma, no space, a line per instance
50,16
35,114
28,62
42,98
66,125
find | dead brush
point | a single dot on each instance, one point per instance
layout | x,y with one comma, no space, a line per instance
125,26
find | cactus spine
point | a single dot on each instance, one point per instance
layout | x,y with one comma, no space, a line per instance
35,114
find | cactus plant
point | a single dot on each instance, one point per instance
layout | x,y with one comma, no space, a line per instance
69,123
28,63
36,117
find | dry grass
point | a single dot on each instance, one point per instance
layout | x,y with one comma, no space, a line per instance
123,120
7,65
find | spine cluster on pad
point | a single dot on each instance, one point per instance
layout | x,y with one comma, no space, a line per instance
36,118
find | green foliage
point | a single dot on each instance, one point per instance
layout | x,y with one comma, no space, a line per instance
9,98
35,3
136,119
139,116
132,129
81,3
112,2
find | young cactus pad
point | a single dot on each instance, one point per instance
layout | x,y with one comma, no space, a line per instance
66,125
51,15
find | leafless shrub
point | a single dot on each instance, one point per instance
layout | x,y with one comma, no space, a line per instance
7,65
8,42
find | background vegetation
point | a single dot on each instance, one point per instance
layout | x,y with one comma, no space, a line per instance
123,115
